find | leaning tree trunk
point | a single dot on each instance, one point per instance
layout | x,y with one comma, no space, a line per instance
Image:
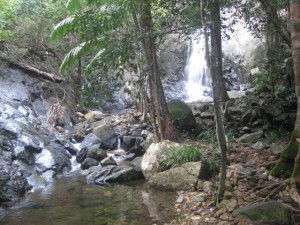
286,165
216,73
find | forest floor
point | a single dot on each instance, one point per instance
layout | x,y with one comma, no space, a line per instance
248,181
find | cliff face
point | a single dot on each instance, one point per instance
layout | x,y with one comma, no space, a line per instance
29,157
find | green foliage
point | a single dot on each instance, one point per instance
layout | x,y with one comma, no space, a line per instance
62,28
7,19
181,155
213,161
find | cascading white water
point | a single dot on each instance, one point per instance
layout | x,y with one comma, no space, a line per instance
197,82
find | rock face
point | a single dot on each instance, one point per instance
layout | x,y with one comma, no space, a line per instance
27,148
182,115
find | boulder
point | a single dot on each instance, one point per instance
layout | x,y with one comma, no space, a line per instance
183,178
182,115
114,174
107,135
252,137
89,162
149,139
91,140
13,185
108,161
154,156
96,153
267,213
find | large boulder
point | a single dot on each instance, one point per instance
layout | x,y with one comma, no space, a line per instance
267,213
107,135
183,178
182,115
152,161
113,173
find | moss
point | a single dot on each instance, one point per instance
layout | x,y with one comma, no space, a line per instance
285,164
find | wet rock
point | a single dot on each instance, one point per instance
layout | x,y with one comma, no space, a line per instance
12,185
96,153
81,155
107,135
271,212
90,140
24,155
114,174
108,161
128,142
69,146
89,162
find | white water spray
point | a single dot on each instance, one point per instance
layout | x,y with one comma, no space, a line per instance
197,84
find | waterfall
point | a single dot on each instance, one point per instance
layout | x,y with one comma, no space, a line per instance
197,84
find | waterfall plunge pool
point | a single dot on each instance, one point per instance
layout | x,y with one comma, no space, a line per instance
70,201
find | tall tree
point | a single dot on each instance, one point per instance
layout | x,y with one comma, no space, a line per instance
214,64
288,164
166,128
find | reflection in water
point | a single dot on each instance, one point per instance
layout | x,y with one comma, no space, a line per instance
69,201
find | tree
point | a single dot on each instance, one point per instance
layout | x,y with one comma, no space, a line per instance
288,164
166,128
96,25
214,64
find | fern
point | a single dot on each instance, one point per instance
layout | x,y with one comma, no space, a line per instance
74,55
62,28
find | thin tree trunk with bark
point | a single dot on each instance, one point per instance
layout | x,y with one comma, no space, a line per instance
166,128
216,73
288,163
295,31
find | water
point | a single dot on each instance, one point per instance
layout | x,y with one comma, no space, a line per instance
197,84
69,201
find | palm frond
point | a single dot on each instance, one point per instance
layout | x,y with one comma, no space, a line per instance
74,55
96,58
62,28
73,4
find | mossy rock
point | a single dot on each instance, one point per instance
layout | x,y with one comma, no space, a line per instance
267,213
182,115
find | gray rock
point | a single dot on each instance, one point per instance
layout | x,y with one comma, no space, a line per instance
108,161
107,135
96,153
89,162
252,137
182,115
114,174
267,213
90,140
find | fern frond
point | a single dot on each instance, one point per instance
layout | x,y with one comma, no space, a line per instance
73,4
74,55
62,28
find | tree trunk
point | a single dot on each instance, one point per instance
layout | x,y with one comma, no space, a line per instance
166,128
286,165
78,83
216,74
276,21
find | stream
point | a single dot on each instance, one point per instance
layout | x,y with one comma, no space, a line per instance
69,200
